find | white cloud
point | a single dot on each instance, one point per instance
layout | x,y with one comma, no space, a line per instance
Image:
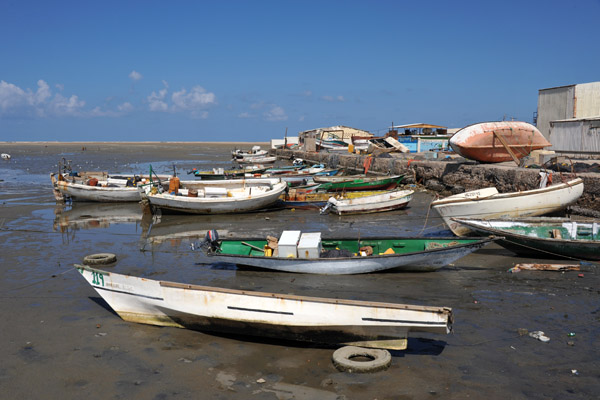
156,100
245,115
276,113
16,102
136,76
125,107
332,99
19,103
62,106
195,101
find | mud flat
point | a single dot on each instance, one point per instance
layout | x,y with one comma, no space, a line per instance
60,340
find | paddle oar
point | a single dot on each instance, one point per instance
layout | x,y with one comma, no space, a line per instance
253,246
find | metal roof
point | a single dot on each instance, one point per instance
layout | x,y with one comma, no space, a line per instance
419,125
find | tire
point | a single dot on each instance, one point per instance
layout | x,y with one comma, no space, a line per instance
99,259
380,359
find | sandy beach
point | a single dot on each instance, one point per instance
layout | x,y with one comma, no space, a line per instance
59,339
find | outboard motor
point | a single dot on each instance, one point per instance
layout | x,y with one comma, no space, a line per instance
212,240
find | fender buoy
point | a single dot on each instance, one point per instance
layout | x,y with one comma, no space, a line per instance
379,359
99,259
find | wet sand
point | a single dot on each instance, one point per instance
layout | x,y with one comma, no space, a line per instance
60,340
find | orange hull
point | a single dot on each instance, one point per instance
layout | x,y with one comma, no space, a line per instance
483,142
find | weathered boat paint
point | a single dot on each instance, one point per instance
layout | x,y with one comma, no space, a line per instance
486,204
409,254
552,237
280,316
483,141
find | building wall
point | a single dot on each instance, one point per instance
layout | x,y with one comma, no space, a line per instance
587,100
575,136
554,104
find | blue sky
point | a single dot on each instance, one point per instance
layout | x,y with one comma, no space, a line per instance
249,70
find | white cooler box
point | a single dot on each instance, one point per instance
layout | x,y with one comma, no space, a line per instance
309,245
288,244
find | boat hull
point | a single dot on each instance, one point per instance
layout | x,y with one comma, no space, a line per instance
284,317
441,252
481,141
216,205
81,192
506,205
388,201
361,184
523,236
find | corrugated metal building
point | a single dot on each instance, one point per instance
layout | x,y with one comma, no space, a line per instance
575,135
568,116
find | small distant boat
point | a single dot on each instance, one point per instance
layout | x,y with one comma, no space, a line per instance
280,316
498,141
300,198
341,256
222,197
5,156
550,237
256,160
487,203
388,201
220,173
362,183
254,152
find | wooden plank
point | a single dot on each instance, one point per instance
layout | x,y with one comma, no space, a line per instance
507,147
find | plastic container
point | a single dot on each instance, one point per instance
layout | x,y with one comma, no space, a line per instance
288,243
309,245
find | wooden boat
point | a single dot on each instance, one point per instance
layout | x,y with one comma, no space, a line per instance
220,173
93,189
551,237
300,198
390,200
280,316
344,178
256,160
388,182
304,255
498,141
232,196
255,151
488,203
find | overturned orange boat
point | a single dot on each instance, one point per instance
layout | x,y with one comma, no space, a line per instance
498,141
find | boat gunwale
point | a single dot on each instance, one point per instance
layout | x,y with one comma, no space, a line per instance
241,292
501,232
474,241
501,196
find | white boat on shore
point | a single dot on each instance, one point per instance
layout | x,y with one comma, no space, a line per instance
216,197
93,189
488,203
390,200
280,316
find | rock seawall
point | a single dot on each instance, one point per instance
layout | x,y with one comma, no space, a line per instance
453,176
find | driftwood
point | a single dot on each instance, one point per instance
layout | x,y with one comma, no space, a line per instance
546,267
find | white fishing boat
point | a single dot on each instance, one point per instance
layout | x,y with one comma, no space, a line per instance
93,189
210,197
253,153
256,160
488,203
279,316
390,200
5,156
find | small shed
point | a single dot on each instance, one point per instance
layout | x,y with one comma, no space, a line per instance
575,135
